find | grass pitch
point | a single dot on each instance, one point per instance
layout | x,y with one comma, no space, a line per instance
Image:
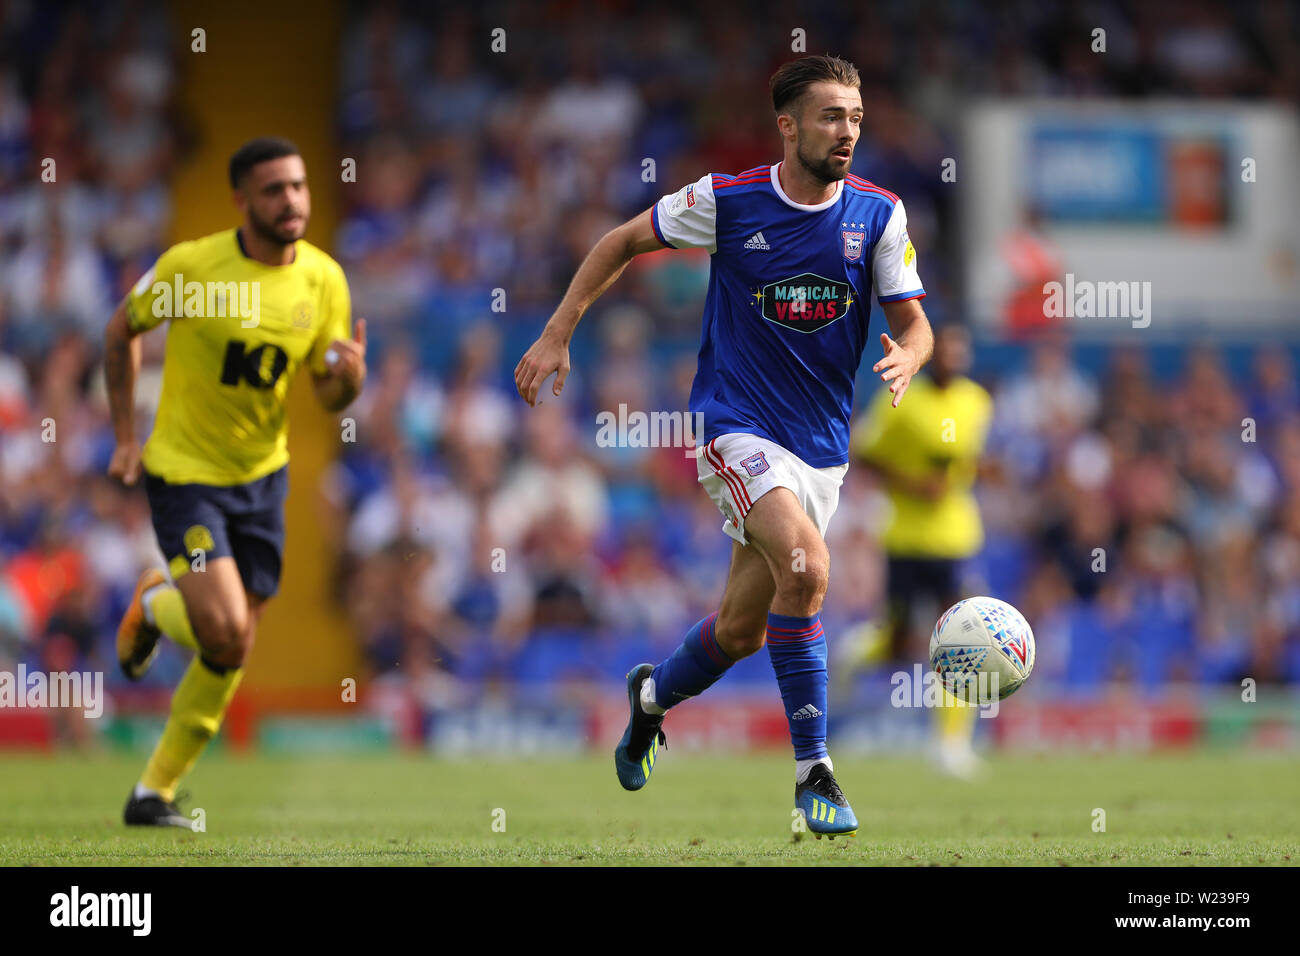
1218,807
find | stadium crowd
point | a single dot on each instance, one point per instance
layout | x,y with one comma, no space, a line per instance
1148,525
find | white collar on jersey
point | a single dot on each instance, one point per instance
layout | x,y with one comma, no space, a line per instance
803,207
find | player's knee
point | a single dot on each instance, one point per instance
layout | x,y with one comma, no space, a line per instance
804,585
224,636
217,630
235,651
231,656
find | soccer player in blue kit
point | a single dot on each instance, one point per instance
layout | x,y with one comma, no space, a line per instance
796,250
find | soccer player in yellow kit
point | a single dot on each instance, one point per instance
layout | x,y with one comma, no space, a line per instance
247,307
927,452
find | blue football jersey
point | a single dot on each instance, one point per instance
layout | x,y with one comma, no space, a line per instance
785,319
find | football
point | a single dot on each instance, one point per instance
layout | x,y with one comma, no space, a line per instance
982,646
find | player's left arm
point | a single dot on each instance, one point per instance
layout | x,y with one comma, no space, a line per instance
338,359
908,349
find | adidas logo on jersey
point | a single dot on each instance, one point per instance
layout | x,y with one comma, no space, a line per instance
805,712
756,241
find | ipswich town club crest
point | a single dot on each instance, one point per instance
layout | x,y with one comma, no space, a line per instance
853,244
755,464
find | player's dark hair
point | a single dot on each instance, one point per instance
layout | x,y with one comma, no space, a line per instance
258,151
792,80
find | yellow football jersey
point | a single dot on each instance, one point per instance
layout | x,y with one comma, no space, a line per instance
239,331
932,428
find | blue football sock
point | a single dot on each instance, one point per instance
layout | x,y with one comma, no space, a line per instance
797,647
692,668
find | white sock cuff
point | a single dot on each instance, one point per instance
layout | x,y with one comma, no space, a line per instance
146,601
648,697
804,767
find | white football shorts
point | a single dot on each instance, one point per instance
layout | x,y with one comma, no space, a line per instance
738,469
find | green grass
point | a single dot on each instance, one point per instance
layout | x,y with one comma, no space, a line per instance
1194,809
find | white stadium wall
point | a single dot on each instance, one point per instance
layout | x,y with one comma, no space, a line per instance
1202,201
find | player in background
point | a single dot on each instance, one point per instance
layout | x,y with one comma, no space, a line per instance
248,307
927,454
797,248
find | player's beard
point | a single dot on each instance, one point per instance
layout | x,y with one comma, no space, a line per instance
821,169
273,232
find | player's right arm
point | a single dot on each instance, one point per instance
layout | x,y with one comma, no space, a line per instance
121,366
135,314
603,265
685,219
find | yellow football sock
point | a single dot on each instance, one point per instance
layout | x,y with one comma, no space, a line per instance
198,705
168,607
955,721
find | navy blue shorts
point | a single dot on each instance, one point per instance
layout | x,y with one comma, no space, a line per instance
245,522
916,585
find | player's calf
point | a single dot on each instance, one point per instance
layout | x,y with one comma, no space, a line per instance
741,625
740,635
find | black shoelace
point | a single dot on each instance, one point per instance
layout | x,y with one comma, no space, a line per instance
640,742
824,784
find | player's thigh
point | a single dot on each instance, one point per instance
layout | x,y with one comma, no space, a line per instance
193,532
796,555
741,626
189,522
217,606
259,557
256,533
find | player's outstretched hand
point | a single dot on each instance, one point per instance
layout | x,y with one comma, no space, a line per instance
548,354
125,464
897,367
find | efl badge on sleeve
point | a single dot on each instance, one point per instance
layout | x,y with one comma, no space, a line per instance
853,244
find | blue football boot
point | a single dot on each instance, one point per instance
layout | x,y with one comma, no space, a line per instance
634,757
825,808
